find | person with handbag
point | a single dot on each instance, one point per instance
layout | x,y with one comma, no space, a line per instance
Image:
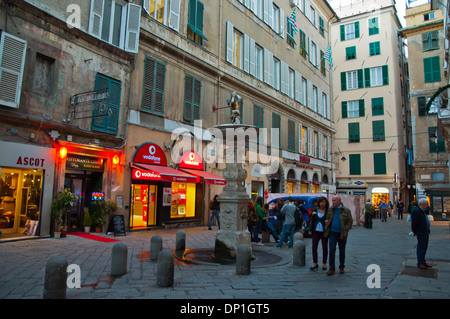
317,225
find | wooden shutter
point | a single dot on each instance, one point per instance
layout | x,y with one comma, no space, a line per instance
298,87
360,79
342,32
386,75
355,164
344,109
282,23
422,103
379,162
229,48
246,53
252,57
146,6
174,15
357,29
133,28
12,63
154,85
343,81
367,77
108,123
188,96
96,18
361,108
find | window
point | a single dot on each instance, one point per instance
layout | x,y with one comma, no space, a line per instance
304,91
276,124
321,27
352,80
312,15
314,98
116,23
238,48
290,34
154,84
291,136
259,62
322,63
353,132
325,105
303,140
378,131
379,163
428,16
435,140
350,53
164,11
43,74
430,40
374,48
355,164
432,69
376,76
276,18
192,98
349,31
377,106
373,26
312,54
438,177
291,83
353,109
276,73
303,51
315,145
195,22
12,62
108,123
258,116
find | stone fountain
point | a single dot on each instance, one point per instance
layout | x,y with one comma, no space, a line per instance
234,199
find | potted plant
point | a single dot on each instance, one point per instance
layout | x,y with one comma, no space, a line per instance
61,206
99,213
87,222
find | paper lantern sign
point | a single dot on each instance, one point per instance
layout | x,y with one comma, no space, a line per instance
150,153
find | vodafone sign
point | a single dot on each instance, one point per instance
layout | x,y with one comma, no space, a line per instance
146,175
191,160
150,153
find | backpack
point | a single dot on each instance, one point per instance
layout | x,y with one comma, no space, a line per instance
298,216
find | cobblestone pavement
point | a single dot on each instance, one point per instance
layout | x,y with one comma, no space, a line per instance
22,268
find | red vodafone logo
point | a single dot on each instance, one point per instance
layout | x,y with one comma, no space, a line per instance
150,153
191,160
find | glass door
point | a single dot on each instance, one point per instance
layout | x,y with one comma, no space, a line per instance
143,205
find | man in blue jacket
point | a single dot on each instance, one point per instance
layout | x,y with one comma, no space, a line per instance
420,226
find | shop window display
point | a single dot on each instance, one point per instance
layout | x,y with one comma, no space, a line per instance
183,200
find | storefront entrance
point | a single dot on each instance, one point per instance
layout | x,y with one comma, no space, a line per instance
20,201
143,205
380,194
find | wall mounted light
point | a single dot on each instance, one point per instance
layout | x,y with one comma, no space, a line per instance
63,152
115,159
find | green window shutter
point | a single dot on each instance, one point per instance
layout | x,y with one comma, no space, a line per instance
343,81
432,69
353,133
361,108
378,130
195,17
432,134
367,77
342,32
192,98
357,29
153,88
355,164
107,123
374,48
258,116
422,103
291,136
373,26
377,106
379,163
344,110
360,79
385,75
350,53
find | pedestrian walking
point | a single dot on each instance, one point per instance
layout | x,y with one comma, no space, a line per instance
288,211
277,212
400,207
383,211
270,222
338,223
214,205
260,213
369,213
318,216
420,226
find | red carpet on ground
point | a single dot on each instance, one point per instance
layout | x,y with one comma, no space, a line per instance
94,237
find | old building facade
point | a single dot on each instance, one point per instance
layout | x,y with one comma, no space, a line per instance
370,98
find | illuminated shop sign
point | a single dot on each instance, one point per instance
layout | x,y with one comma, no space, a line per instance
191,160
84,163
151,154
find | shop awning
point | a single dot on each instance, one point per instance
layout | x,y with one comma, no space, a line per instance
163,173
209,178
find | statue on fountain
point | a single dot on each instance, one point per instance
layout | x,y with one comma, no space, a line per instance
234,104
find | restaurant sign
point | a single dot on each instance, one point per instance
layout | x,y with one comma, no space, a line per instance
84,163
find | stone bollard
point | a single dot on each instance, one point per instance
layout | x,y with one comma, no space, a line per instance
55,278
299,253
180,243
119,258
165,268
298,236
155,247
243,260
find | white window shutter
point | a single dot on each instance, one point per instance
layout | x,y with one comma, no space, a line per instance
270,13
247,3
253,5
174,15
310,142
246,53
133,28
300,138
252,57
328,107
271,67
298,90
282,23
229,55
309,94
12,62
146,5
266,66
320,146
96,18
266,11
319,101
283,77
